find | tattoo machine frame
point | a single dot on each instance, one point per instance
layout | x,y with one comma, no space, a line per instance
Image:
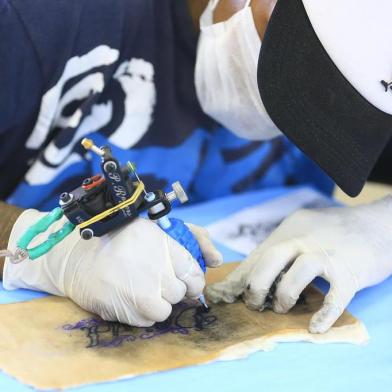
105,202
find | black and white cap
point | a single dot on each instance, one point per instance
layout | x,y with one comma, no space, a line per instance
325,78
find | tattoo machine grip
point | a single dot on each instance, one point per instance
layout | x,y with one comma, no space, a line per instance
180,232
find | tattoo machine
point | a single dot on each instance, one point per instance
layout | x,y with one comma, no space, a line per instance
105,202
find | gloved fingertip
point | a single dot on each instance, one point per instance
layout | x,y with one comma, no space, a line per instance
193,296
163,315
195,286
279,308
215,260
317,328
324,319
139,324
218,292
210,295
254,299
283,303
254,303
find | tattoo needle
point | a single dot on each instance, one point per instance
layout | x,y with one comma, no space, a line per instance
202,300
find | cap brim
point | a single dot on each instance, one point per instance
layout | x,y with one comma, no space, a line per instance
312,103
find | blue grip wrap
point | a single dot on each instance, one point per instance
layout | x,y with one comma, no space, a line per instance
181,233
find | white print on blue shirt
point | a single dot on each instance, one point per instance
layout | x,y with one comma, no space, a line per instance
136,78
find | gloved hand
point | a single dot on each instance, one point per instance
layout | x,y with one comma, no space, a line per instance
349,247
132,275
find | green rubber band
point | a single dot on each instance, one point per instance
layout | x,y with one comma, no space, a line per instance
40,227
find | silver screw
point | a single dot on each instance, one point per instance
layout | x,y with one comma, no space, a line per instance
109,167
177,193
87,234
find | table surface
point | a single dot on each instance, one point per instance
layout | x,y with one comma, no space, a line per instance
294,366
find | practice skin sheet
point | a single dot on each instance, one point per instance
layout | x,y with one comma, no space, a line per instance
298,367
66,346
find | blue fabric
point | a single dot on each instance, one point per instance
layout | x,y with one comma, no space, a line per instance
291,366
270,164
120,72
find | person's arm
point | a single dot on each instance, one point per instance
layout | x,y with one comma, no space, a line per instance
8,216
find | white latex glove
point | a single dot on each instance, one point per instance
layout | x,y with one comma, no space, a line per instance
349,247
132,275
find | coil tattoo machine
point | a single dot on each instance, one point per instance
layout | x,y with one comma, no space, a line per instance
105,202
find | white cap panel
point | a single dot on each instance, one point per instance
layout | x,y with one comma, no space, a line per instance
357,35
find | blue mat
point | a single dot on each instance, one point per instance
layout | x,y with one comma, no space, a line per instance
291,366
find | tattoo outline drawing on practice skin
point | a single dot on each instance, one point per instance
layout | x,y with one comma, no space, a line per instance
185,318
